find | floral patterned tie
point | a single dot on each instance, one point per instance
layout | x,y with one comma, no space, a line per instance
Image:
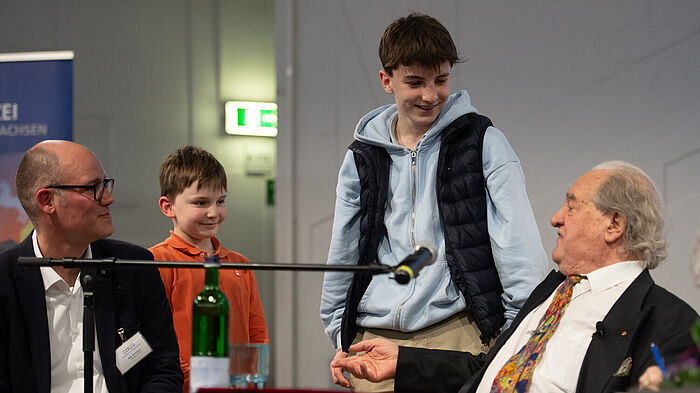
516,374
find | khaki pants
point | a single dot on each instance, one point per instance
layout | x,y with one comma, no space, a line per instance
456,333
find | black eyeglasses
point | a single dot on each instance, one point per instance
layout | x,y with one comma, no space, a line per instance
98,189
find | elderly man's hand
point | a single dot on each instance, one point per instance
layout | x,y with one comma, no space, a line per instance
337,372
375,361
651,379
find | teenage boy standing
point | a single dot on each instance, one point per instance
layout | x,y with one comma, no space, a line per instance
428,169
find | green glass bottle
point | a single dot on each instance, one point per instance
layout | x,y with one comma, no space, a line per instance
209,365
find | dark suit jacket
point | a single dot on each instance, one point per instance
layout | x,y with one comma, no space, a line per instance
644,313
130,298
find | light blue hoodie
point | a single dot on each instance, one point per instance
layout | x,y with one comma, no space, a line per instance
432,297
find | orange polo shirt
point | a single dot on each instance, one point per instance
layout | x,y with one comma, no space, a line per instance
246,318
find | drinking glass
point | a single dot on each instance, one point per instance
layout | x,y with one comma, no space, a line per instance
250,363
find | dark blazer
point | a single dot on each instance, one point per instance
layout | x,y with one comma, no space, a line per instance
644,313
131,298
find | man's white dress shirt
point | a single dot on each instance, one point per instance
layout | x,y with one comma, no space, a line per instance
64,311
559,367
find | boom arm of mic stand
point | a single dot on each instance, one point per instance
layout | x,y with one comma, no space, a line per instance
106,263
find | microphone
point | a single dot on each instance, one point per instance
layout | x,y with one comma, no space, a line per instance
408,269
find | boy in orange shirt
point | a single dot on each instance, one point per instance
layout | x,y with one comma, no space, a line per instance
193,194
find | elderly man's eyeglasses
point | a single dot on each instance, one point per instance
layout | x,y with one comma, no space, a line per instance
98,189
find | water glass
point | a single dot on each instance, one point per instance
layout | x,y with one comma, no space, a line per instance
250,363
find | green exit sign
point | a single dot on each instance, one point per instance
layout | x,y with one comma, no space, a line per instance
251,118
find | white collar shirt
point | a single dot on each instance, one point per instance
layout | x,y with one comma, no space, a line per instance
560,365
64,311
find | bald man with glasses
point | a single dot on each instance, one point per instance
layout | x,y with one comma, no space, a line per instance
66,194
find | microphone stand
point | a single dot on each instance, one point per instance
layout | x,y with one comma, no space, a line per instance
88,274
88,279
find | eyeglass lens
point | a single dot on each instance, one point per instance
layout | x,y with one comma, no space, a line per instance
101,186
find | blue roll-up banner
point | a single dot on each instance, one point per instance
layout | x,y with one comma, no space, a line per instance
36,103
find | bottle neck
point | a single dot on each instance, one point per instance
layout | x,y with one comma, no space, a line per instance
211,264
211,278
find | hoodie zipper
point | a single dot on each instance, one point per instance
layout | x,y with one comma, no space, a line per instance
413,199
413,222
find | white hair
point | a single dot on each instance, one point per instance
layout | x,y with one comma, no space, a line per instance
631,193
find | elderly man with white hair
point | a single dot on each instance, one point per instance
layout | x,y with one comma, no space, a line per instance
587,327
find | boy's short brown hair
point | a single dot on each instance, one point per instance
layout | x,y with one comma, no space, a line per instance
416,38
188,165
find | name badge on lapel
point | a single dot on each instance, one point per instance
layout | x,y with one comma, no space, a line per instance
131,352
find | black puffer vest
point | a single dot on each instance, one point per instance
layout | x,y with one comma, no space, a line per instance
461,193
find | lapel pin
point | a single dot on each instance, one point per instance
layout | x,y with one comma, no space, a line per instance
623,333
